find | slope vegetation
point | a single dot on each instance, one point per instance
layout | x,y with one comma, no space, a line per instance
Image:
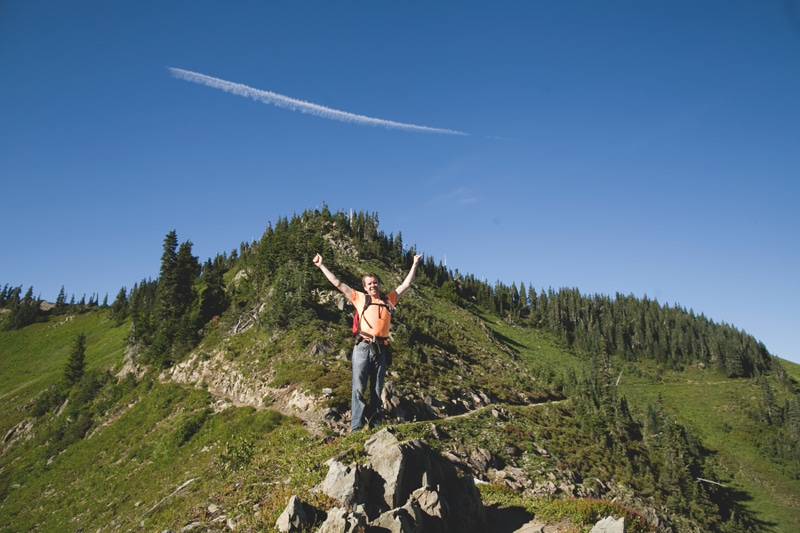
209,396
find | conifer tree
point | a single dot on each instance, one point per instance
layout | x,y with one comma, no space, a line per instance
793,419
176,325
24,311
119,309
61,300
168,279
213,301
770,412
76,364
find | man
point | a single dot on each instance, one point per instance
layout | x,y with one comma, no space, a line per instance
369,353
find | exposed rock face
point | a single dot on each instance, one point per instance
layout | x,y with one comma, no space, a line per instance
404,487
411,471
341,520
222,378
21,429
233,384
609,525
294,518
344,483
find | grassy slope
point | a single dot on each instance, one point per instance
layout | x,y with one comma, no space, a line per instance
126,468
34,357
715,408
131,459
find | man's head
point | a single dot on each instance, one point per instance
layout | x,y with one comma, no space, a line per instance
372,284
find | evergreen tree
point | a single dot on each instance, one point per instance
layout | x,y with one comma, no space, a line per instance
4,295
792,419
61,300
24,311
770,412
168,280
119,309
213,300
76,364
142,303
176,325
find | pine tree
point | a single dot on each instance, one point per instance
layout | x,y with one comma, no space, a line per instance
168,279
213,301
61,300
176,314
770,412
793,419
24,311
76,364
119,309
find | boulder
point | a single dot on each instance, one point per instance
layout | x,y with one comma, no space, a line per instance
293,518
344,483
340,520
404,487
609,525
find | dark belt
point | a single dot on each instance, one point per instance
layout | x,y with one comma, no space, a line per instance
372,338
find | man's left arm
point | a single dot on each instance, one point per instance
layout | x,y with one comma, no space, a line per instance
403,287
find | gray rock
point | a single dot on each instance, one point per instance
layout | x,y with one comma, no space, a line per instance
343,483
429,502
481,459
293,518
404,487
609,525
340,520
398,521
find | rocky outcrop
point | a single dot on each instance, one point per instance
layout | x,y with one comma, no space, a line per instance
609,525
406,487
233,383
403,487
222,378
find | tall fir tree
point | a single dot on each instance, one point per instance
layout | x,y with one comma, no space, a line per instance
61,300
76,364
176,324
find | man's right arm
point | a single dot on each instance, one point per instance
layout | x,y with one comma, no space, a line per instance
346,290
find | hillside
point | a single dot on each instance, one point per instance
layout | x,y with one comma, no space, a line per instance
212,395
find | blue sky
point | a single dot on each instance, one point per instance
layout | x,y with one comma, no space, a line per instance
646,148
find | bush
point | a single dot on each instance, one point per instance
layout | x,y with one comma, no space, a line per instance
237,455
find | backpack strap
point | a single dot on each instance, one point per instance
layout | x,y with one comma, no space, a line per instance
367,302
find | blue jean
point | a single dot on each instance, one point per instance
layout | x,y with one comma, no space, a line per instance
369,370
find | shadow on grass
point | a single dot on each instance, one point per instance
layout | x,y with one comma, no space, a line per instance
506,519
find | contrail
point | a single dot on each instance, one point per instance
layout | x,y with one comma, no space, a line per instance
293,104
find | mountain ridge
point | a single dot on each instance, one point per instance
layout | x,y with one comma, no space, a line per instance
282,341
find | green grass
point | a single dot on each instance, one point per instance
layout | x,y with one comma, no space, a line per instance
156,437
716,409
50,342
120,473
33,358
582,513
713,406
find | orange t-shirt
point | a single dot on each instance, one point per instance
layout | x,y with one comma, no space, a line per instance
376,319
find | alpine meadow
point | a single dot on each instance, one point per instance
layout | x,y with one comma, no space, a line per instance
216,396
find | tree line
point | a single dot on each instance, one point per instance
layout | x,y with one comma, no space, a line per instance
168,314
624,325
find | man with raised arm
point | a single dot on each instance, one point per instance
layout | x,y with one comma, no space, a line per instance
370,352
